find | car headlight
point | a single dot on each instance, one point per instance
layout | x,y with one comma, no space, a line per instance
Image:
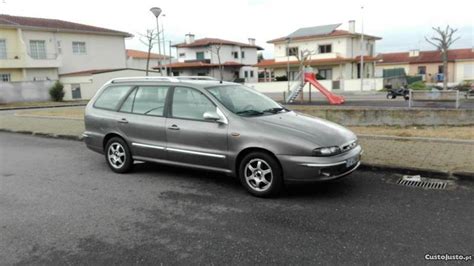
326,151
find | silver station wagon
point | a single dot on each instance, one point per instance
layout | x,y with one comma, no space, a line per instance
217,126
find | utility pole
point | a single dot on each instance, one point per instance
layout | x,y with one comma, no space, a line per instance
288,39
362,51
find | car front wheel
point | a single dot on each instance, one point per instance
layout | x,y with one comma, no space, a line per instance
261,174
118,156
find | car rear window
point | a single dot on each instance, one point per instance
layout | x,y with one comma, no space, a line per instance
111,97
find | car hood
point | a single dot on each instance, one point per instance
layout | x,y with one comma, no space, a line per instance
316,130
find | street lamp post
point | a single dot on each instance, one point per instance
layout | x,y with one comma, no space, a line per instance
157,11
288,39
164,43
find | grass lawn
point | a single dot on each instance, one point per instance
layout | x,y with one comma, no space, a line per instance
67,112
39,104
462,132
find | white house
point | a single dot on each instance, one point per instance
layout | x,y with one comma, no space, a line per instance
336,53
43,49
200,58
137,59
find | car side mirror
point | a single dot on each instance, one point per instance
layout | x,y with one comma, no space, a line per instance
211,116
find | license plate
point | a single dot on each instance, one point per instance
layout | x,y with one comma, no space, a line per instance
351,161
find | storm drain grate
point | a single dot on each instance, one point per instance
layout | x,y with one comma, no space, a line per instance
417,181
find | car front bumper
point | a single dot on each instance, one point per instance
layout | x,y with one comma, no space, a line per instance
310,168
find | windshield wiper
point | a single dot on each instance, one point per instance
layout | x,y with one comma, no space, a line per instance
274,110
249,112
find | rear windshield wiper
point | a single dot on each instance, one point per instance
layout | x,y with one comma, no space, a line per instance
274,110
249,112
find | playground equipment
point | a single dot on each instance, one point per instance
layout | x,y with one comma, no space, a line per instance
309,76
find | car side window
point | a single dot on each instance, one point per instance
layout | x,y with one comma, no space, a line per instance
146,100
190,103
111,97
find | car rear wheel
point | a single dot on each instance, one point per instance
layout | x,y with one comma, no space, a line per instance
118,156
261,174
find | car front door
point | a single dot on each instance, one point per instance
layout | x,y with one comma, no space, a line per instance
191,139
143,122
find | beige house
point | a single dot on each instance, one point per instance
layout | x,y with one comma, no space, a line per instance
429,65
336,53
33,49
137,59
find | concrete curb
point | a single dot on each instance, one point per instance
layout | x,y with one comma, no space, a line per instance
41,107
443,140
455,175
45,135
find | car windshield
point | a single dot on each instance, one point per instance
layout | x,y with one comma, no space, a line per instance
244,101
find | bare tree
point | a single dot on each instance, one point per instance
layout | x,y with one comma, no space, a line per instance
216,49
442,41
147,39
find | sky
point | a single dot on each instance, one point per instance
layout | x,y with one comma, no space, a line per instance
402,24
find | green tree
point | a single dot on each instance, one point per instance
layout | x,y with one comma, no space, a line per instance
56,91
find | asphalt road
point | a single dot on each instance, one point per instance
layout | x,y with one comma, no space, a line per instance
60,204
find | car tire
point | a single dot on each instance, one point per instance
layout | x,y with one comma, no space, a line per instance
261,174
118,156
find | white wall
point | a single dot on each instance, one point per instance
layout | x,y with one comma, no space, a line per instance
463,70
41,74
91,83
102,51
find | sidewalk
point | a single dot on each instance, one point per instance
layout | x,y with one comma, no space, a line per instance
398,153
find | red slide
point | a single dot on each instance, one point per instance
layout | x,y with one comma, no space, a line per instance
332,98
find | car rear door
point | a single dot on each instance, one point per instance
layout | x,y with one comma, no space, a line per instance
190,138
143,123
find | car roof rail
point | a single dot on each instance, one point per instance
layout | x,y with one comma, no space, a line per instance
154,78
195,78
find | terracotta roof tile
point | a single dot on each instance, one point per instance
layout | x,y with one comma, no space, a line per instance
55,24
338,60
144,55
211,41
425,56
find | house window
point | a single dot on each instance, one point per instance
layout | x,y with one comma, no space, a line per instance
325,74
76,91
235,55
292,51
440,69
3,49
242,54
325,49
79,48
199,55
38,49
246,74
5,77
181,55
421,70
251,73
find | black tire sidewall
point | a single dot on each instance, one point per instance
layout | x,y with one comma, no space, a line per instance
128,156
277,179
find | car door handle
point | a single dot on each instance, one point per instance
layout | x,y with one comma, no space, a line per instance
123,121
173,127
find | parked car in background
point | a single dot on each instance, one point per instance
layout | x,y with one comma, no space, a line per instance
217,126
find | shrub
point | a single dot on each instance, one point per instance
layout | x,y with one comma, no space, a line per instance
418,85
56,91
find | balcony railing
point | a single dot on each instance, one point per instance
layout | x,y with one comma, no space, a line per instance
43,56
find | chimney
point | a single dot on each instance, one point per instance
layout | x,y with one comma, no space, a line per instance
251,41
414,53
352,26
189,38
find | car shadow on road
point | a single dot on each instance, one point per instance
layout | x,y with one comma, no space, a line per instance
330,189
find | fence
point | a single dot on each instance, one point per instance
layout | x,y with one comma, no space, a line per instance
25,91
434,97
